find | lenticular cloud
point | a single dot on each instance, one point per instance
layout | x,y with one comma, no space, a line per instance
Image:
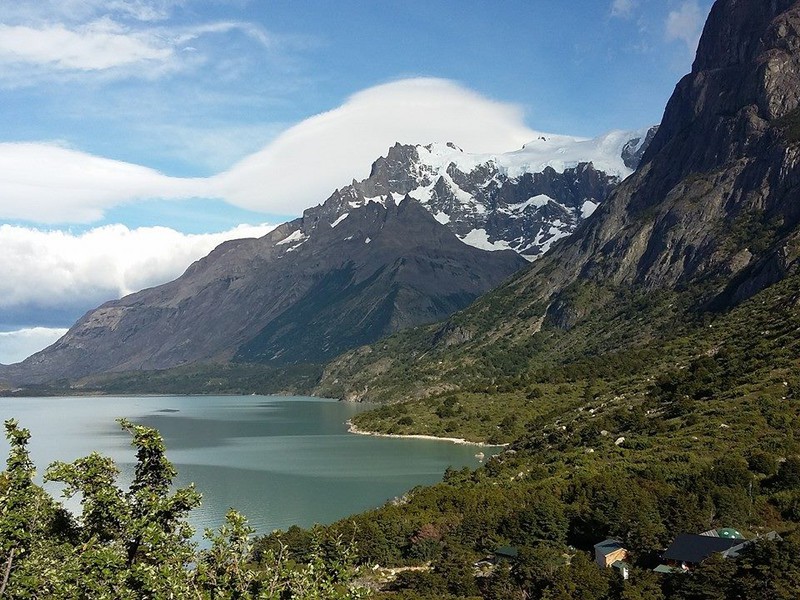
308,161
46,183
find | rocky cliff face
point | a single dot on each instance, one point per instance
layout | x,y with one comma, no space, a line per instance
712,209
715,198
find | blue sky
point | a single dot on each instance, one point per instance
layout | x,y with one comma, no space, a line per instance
175,121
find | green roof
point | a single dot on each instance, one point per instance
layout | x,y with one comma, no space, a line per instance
666,569
507,552
729,532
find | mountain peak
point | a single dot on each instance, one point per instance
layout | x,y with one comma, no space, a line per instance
523,200
713,199
734,33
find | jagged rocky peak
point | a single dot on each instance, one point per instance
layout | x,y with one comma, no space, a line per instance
714,200
746,76
523,200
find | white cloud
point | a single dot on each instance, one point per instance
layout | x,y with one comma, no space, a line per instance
16,346
106,46
623,8
686,24
308,161
46,183
96,46
57,268
81,10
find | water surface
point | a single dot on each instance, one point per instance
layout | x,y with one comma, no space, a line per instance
279,460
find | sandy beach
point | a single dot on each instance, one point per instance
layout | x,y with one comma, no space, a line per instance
353,429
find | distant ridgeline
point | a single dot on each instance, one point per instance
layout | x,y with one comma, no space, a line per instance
645,371
429,231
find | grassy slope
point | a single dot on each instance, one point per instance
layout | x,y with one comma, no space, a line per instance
708,413
611,359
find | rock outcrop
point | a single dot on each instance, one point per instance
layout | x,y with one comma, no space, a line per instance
715,198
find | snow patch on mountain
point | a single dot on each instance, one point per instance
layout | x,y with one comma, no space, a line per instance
480,239
295,236
558,152
339,220
588,208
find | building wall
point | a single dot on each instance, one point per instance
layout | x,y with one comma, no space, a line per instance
610,559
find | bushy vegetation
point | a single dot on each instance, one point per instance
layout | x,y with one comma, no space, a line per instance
137,544
644,419
687,425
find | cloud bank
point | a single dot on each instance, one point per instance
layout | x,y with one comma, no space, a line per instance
46,183
55,268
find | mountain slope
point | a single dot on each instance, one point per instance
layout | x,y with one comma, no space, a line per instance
709,219
367,262
302,293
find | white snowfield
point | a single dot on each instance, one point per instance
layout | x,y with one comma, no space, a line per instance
559,152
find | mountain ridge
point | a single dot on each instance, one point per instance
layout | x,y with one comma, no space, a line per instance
224,300
491,202
709,219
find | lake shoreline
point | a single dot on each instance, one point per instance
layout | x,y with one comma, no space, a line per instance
351,428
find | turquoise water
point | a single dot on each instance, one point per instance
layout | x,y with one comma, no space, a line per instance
279,460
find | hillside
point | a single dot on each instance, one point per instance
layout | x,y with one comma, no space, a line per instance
644,372
688,435
709,219
378,256
303,293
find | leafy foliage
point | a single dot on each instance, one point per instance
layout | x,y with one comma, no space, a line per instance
137,544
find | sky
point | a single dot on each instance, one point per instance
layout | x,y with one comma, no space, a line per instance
137,135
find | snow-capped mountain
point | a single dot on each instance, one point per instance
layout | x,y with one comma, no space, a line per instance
523,200
378,256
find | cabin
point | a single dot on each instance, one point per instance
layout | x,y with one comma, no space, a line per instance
690,549
609,551
611,554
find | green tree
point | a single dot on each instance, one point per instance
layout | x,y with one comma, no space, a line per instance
224,570
136,545
35,533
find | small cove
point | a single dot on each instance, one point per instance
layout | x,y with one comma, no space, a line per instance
279,460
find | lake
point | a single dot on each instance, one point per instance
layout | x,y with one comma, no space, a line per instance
278,460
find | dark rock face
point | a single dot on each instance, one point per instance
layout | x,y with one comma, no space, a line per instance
308,290
633,151
715,198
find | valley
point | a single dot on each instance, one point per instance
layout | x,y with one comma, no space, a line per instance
622,316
